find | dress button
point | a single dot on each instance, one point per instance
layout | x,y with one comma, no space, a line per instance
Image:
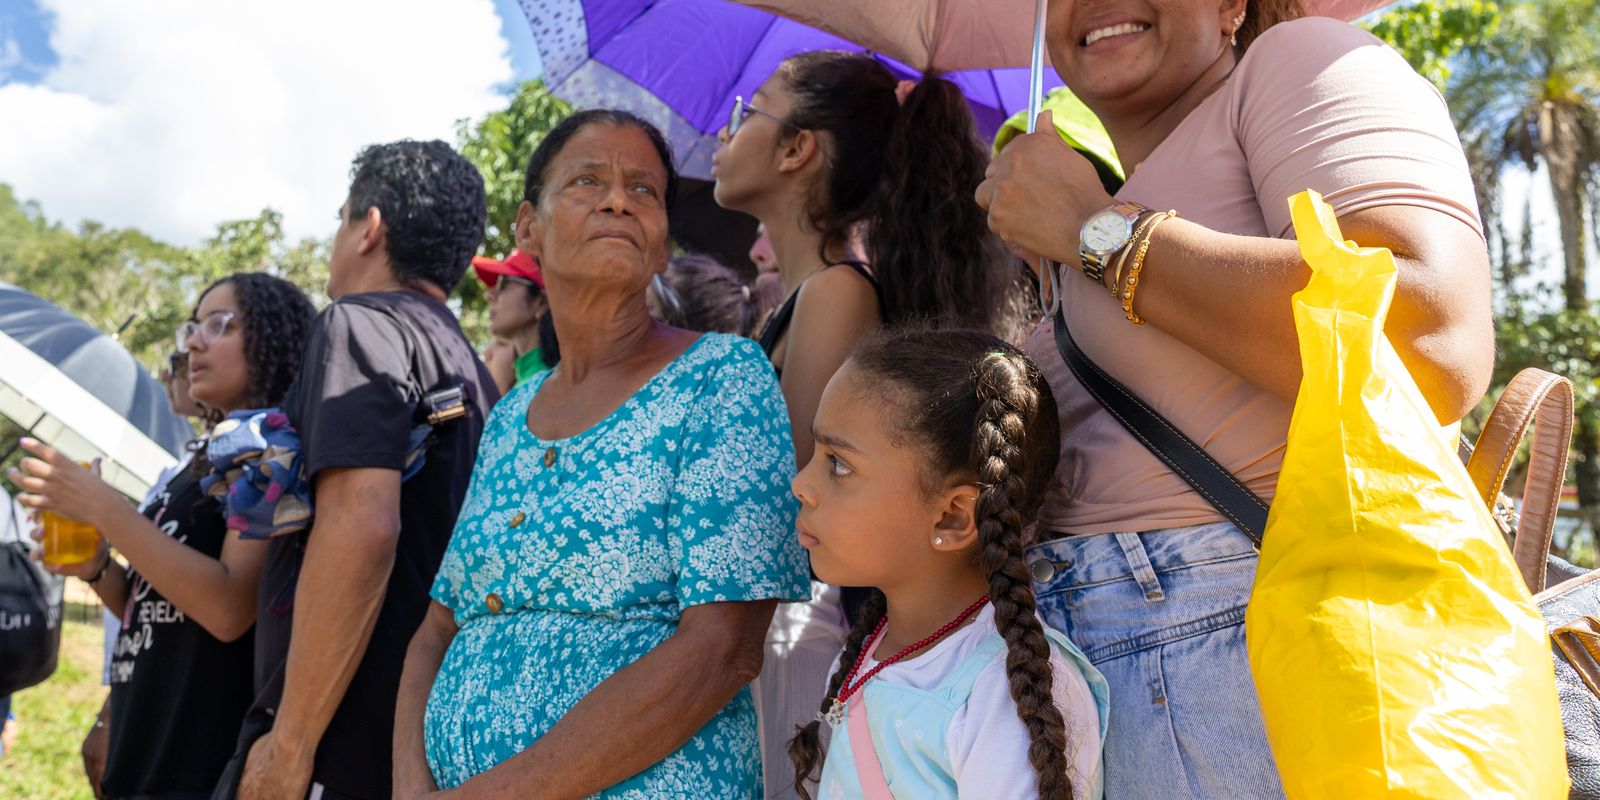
550,457
1041,570
517,520
493,602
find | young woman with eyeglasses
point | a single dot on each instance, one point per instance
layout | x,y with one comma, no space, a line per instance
863,183
181,672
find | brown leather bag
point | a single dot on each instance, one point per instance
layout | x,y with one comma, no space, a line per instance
1542,402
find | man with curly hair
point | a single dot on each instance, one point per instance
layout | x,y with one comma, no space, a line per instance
338,604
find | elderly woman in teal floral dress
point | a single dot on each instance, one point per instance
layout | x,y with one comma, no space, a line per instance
627,533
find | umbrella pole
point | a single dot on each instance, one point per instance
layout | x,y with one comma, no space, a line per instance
1049,293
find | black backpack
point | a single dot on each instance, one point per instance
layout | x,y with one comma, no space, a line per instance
30,613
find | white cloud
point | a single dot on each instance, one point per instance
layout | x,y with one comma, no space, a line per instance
173,115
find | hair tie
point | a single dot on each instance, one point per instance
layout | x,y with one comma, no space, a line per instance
903,90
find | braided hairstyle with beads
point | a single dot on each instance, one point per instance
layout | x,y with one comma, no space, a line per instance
980,412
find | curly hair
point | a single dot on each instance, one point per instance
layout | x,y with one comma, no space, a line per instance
979,410
906,173
276,318
556,140
432,203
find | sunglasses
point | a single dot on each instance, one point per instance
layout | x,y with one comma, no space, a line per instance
213,327
742,111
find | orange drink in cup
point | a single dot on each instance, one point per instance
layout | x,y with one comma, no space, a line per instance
68,541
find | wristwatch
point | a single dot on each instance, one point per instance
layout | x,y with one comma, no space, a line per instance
1103,235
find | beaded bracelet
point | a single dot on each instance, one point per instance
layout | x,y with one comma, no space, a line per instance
1148,218
1138,266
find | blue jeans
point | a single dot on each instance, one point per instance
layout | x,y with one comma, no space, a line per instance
1161,613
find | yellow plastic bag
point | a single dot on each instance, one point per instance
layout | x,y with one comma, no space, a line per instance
1395,649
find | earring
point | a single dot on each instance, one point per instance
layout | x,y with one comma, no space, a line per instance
938,540
1233,38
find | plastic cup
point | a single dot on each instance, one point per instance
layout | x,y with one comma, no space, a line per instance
68,541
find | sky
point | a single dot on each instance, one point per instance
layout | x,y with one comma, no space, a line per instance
174,115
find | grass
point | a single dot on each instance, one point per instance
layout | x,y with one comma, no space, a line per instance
54,716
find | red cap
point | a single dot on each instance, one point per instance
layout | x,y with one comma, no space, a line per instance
518,264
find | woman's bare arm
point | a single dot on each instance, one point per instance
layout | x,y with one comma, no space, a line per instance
835,309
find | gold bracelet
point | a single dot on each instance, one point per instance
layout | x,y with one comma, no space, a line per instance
1122,257
1138,266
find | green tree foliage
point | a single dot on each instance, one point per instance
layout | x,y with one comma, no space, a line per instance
1523,84
499,145
130,285
1431,34
1530,97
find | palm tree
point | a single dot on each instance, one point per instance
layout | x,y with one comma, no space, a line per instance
1530,95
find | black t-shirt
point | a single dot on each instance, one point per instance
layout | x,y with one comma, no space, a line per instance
177,693
369,360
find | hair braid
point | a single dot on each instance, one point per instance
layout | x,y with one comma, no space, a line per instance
805,749
1008,398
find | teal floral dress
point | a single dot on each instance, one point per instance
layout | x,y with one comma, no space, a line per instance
572,558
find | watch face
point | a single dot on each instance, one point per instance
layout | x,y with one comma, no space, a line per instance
1104,232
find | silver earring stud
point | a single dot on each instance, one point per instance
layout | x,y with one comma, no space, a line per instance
938,540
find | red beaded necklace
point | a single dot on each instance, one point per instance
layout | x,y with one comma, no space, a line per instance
835,713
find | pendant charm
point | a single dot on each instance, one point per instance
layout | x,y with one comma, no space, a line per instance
835,715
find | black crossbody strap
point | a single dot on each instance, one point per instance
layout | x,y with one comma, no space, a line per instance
1190,461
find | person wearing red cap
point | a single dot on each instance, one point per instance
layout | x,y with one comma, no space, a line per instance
517,304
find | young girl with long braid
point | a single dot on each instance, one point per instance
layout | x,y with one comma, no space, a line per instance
933,449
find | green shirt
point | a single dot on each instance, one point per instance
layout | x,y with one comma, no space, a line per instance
528,365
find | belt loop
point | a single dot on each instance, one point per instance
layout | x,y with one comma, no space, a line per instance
1140,567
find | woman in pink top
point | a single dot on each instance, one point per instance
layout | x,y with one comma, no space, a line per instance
1220,113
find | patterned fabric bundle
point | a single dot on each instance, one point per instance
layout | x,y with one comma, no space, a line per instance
257,474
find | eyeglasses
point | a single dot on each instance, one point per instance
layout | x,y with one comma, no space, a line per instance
516,279
742,110
210,329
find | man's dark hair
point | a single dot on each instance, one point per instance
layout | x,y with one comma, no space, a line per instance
431,199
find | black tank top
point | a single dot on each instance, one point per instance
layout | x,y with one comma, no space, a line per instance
778,323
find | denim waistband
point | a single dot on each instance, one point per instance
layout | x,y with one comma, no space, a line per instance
1073,561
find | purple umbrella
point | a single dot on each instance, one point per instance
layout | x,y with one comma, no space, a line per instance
680,63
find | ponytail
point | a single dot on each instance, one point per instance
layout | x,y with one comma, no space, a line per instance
903,173
928,240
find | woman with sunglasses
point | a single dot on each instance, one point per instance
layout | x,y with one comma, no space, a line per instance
517,308
863,184
181,673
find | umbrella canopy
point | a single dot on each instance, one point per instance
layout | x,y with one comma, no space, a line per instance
82,392
680,63
959,34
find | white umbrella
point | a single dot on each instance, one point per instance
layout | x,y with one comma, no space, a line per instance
83,393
